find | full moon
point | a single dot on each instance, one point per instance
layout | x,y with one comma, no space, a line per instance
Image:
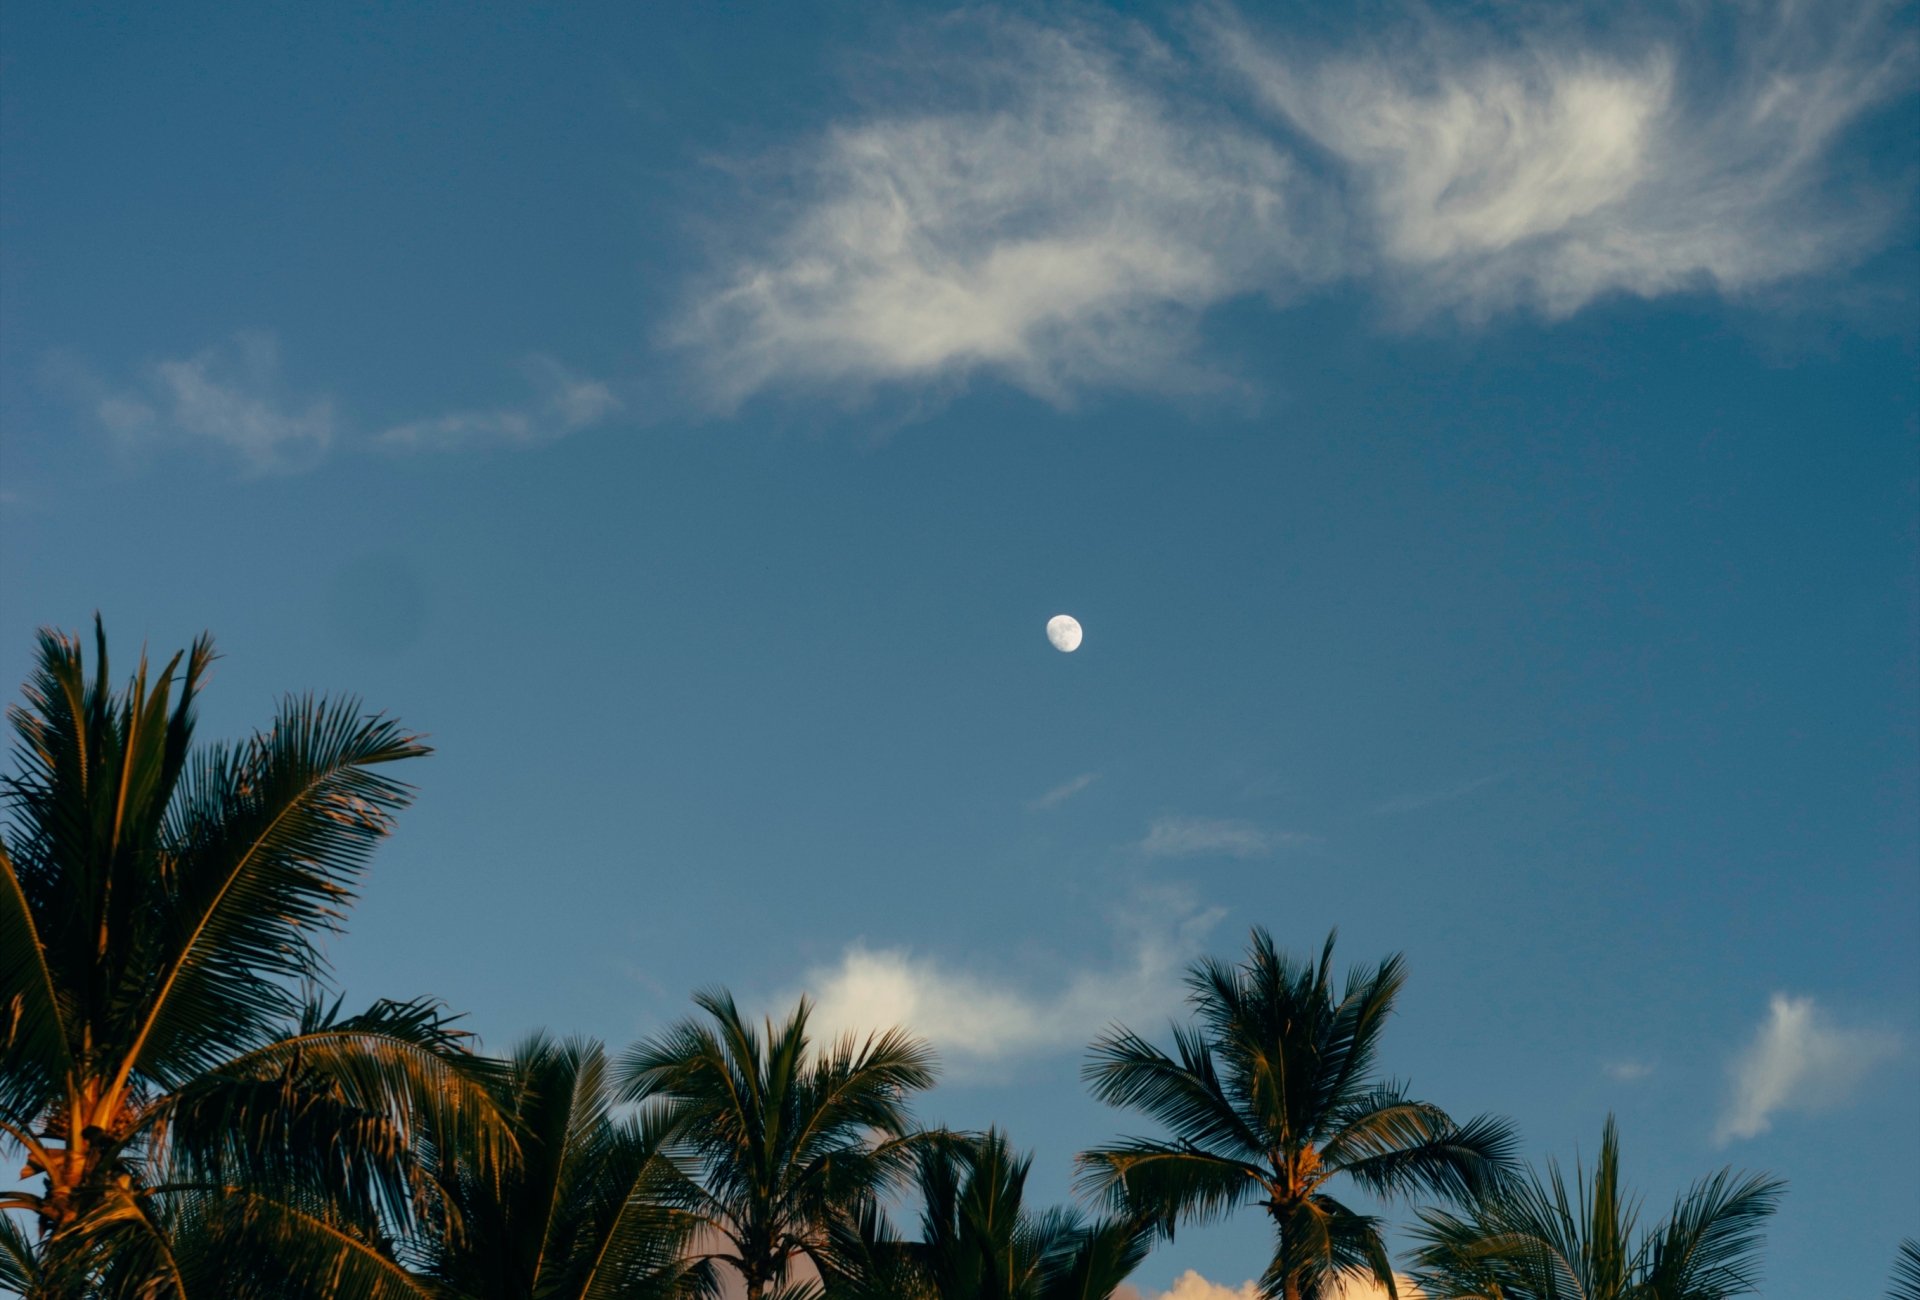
1064,631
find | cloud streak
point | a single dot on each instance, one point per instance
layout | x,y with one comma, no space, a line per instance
1061,793
1798,1060
1100,190
570,402
1427,798
231,397
978,1021
1185,837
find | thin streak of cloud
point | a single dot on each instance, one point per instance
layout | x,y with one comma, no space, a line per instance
1798,1060
978,1021
1628,1071
572,402
1407,803
1183,837
1061,793
1064,220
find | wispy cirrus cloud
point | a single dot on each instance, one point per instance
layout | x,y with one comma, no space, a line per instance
1086,192
1185,837
1799,1059
978,1021
229,396
1407,803
1063,792
569,402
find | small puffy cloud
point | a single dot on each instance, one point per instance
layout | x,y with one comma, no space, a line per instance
1191,1286
1183,837
1061,793
976,1020
570,403
1798,1060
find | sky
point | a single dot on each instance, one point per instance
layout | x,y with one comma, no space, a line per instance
1479,442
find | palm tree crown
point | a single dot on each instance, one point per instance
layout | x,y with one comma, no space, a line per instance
198,1122
1538,1240
786,1139
979,1241
1270,1097
587,1213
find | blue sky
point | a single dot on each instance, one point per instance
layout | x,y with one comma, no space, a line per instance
1480,444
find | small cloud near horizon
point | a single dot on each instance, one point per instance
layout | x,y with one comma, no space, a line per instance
1629,1071
1798,1060
1061,793
1191,1286
978,1021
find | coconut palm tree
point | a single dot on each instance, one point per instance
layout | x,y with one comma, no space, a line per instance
202,1125
1539,1240
1269,1099
978,1239
1906,1272
589,1211
785,1139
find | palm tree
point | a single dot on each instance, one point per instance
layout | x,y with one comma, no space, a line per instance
1272,1097
978,1240
1538,1240
201,1125
587,1214
1906,1272
785,1140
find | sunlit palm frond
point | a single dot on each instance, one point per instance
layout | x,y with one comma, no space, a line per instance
263,846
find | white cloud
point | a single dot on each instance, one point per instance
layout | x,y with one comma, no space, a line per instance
1798,1060
1066,235
572,402
1191,1286
1628,1071
1548,176
1099,192
1181,837
1427,798
976,1020
1061,793
228,395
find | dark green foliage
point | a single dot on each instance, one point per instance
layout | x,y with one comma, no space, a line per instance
201,1127
1906,1272
786,1140
1539,1240
978,1239
1270,1097
589,1212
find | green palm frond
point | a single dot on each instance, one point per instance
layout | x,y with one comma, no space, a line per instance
1905,1284
1545,1239
1272,1095
786,1140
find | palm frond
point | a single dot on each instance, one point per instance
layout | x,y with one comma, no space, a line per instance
1905,1284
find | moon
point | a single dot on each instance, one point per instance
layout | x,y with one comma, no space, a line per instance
1064,631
